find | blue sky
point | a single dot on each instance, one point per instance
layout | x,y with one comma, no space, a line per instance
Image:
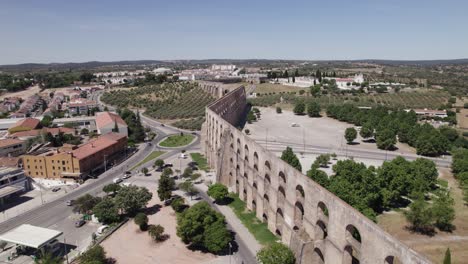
104,30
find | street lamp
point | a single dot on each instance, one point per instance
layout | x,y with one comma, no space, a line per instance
230,246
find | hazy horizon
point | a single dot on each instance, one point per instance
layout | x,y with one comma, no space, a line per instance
54,31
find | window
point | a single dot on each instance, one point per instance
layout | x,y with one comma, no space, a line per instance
63,168
63,162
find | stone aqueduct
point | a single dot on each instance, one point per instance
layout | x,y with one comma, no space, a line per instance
318,226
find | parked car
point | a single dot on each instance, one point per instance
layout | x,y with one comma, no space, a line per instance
69,202
117,180
183,156
80,223
128,172
56,189
294,125
159,169
126,176
168,165
101,230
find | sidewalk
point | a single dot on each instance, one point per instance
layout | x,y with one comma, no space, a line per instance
231,218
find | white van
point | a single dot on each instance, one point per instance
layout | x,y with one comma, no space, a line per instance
183,156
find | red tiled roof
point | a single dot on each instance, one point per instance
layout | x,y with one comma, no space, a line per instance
106,118
9,161
28,122
9,142
96,145
36,132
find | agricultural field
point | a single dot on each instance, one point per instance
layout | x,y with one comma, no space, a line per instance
422,99
275,88
183,103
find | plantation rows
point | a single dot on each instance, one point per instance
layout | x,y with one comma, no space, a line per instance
165,101
190,124
430,100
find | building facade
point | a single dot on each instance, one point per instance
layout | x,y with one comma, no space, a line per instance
76,162
11,147
12,182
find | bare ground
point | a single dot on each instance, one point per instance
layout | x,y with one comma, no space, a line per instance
130,245
434,247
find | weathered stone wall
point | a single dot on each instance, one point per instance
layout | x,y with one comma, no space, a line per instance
317,225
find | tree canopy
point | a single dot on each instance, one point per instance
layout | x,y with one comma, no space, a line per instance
291,158
132,198
276,253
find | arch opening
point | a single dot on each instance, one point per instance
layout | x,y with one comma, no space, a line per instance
282,177
317,257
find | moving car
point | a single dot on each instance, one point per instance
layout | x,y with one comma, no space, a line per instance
80,223
69,202
295,125
56,189
183,156
126,176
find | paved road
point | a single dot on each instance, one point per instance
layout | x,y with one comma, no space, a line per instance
279,146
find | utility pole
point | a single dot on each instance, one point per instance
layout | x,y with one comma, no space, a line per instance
65,246
105,163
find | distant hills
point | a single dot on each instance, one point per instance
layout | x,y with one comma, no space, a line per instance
139,63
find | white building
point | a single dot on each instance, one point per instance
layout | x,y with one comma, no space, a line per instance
229,67
347,83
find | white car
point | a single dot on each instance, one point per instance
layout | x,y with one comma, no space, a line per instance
183,156
101,230
126,176
117,180
294,125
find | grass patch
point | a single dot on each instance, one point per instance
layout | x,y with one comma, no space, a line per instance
153,155
442,183
256,227
177,141
200,160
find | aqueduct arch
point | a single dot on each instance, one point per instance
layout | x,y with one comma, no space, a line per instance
316,224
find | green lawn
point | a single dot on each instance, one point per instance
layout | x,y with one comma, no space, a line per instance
256,227
153,155
177,141
200,160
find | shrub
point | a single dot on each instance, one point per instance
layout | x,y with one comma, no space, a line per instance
218,192
279,110
141,220
178,204
157,233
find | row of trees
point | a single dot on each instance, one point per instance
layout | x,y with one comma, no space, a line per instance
136,132
313,108
371,190
127,200
14,83
386,126
460,170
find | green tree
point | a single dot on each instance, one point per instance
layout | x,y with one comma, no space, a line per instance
86,77
193,224
188,188
319,176
279,110
217,237
46,121
447,257
144,170
313,109
178,204
322,160
443,211
218,192
94,255
131,199
84,204
367,131
315,90
165,187
106,211
419,215
111,188
289,157
141,220
299,108
350,134
276,253
385,139
159,163
156,232
46,257
251,117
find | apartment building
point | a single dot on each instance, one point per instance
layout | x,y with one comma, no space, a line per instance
76,162
12,147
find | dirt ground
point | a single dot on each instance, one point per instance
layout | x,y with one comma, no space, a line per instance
270,87
434,247
130,245
22,94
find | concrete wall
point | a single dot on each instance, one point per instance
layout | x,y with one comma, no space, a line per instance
317,225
